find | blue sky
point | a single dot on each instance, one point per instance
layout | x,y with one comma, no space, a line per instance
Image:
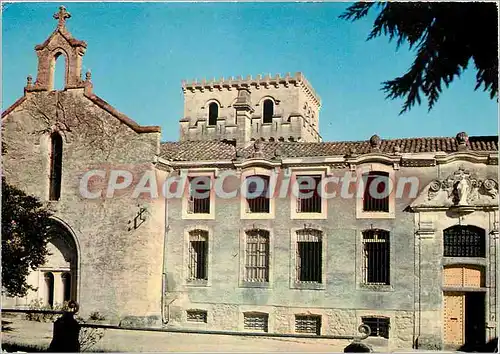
139,53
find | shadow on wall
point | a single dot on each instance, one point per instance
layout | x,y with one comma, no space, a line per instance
490,347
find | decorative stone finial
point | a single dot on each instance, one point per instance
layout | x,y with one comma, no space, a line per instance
462,139
88,75
375,142
29,81
61,16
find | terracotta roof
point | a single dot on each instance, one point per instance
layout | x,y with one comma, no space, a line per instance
197,150
218,150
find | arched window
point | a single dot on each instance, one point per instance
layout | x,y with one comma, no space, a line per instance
59,72
49,286
213,113
268,111
257,256
198,255
464,241
55,166
309,256
377,260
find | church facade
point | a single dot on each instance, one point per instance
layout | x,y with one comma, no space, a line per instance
266,228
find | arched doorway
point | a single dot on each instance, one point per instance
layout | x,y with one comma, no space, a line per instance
61,266
464,286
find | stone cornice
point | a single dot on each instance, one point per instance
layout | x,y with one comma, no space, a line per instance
403,160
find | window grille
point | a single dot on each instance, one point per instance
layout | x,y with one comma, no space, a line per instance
198,255
213,113
256,321
197,316
464,241
376,203
260,203
257,256
376,257
55,166
309,256
306,203
379,326
308,324
268,111
197,204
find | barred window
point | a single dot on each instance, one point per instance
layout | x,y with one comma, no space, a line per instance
309,255
197,316
256,321
464,241
199,195
55,166
308,199
379,326
213,113
376,257
309,324
268,111
257,202
376,196
198,255
257,256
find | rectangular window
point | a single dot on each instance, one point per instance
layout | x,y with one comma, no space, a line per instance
256,322
309,256
379,326
257,256
199,195
308,198
198,255
257,199
199,316
376,196
308,324
464,241
376,257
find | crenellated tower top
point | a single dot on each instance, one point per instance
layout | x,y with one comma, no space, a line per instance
257,82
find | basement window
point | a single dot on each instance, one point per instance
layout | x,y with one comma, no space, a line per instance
199,316
256,322
379,326
308,324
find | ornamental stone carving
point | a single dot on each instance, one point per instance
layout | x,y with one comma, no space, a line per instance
463,188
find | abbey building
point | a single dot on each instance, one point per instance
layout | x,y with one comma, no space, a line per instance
418,265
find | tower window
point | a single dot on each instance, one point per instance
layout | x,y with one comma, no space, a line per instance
55,166
213,113
268,111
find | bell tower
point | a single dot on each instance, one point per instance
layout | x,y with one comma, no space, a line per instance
60,42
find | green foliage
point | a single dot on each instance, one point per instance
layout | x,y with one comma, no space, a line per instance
446,37
45,317
26,225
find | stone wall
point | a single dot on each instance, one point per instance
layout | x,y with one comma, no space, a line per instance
120,267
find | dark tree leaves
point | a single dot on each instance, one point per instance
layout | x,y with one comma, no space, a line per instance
26,228
447,37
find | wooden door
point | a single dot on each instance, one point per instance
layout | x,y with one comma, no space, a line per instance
454,310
